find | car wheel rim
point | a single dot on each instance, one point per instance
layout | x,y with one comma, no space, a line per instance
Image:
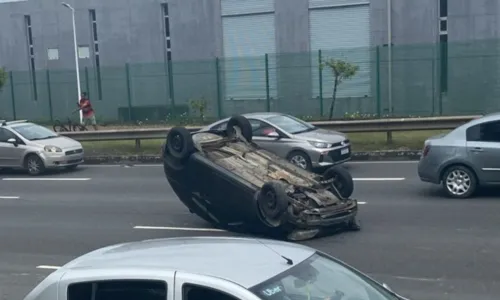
458,182
299,161
271,200
33,166
337,183
177,143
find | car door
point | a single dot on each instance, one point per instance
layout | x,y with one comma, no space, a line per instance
10,155
279,145
197,287
483,150
116,284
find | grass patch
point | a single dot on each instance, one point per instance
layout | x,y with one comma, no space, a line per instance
404,140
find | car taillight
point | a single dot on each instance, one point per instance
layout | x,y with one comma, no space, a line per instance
427,148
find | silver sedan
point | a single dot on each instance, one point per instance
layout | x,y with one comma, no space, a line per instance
208,268
301,143
465,158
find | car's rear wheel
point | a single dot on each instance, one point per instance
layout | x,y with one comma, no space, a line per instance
459,182
180,143
34,164
272,202
342,184
239,125
300,159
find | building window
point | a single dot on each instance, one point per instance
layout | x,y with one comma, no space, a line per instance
31,54
53,54
83,52
443,44
95,46
166,25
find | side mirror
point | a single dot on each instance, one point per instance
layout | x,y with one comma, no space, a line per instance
273,134
12,141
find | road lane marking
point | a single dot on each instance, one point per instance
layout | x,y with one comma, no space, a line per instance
361,202
379,179
9,197
384,162
47,267
45,179
179,228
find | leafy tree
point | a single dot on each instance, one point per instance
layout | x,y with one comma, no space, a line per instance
341,70
3,78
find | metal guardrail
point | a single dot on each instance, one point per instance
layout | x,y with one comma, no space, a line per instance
378,125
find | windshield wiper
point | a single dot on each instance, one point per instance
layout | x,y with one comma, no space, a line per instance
43,138
306,130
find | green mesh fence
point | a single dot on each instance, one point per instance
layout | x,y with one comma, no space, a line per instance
427,80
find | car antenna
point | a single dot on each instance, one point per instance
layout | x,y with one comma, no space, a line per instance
288,260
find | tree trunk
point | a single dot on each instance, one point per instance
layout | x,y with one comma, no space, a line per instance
334,97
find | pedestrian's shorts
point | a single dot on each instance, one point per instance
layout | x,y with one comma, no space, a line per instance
89,120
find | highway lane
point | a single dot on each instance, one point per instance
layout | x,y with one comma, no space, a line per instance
421,244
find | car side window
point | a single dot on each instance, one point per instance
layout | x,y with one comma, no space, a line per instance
118,289
260,128
485,132
221,126
5,135
197,292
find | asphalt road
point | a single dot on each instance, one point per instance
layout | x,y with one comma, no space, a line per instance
421,244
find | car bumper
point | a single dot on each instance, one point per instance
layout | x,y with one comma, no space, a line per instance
52,161
326,217
428,172
330,157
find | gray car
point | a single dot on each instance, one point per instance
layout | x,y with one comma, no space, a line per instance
465,158
303,144
208,268
35,148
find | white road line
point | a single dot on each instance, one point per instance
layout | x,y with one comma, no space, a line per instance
47,267
46,179
383,162
379,179
9,197
179,228
361,202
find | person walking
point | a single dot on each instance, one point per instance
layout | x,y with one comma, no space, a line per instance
87,111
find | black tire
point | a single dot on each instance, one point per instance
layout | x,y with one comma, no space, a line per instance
58,126
468,180
272,203
34,165
79,127
297,156
243,124
342,181
179,144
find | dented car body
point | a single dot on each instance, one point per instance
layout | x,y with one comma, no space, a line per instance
230,182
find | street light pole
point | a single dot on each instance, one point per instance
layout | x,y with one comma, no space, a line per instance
75,45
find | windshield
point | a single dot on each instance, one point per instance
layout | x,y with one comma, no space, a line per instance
290,124
321,278
34,132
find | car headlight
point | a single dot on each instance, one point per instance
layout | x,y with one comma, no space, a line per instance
320,144
52,149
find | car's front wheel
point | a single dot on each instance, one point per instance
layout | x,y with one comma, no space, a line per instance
459,182
34,165
300,159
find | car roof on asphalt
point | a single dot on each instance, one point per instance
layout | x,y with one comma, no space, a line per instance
244,261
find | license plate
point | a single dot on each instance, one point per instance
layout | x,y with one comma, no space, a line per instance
344,151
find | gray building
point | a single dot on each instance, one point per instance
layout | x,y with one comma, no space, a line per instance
37,35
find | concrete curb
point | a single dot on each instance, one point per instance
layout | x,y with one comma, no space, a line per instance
391,155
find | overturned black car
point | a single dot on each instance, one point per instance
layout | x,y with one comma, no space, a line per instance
230,182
